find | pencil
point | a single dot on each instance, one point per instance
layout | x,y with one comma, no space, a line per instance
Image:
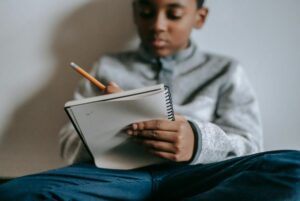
87,76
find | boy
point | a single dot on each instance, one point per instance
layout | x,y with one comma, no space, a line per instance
217,122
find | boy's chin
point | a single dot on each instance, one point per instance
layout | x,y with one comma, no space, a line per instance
162,52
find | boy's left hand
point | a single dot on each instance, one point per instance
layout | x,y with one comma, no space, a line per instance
173,140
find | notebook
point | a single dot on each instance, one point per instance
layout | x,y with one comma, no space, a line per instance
100,123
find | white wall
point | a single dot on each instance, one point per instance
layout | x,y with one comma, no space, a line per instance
264,36
39,38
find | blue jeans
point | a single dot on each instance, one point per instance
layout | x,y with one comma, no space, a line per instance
273,176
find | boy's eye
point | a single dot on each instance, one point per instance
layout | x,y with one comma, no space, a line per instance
175,14
146,13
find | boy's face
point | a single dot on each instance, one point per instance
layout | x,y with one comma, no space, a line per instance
164,26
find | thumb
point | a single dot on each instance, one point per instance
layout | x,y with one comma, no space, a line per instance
112,87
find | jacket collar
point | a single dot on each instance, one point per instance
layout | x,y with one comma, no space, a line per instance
179,62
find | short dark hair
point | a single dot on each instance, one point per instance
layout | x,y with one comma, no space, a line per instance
200,3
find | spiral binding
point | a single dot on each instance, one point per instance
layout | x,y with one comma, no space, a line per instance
169,102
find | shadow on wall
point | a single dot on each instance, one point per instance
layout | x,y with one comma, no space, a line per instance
30,142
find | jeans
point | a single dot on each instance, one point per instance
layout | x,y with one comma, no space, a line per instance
273,176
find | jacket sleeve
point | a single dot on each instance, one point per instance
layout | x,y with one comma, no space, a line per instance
236,129
72,149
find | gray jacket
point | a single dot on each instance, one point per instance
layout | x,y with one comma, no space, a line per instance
210,90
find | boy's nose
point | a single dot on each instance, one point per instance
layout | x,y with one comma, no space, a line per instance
159,23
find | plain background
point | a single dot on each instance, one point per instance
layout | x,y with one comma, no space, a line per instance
38,39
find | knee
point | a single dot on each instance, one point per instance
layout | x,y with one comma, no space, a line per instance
281,170
281,160
21,189
284,165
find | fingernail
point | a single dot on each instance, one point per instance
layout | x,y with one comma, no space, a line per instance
113,84
134,126
129,132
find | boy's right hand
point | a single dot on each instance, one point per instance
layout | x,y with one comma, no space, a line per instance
112,87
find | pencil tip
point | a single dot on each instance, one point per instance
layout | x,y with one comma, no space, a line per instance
72,64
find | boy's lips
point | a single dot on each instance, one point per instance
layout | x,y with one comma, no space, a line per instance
158,43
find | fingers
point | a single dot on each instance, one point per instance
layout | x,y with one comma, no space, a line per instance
112,87
158,124
165,155
166,136
172,140
159,146
161,149
160,143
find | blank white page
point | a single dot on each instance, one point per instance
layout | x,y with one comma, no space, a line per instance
101,123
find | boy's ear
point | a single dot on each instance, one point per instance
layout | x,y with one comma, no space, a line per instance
200,17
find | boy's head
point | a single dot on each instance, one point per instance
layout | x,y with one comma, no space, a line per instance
164,26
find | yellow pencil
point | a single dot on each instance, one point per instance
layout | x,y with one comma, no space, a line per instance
87,76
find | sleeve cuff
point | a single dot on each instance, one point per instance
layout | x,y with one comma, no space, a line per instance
197,142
